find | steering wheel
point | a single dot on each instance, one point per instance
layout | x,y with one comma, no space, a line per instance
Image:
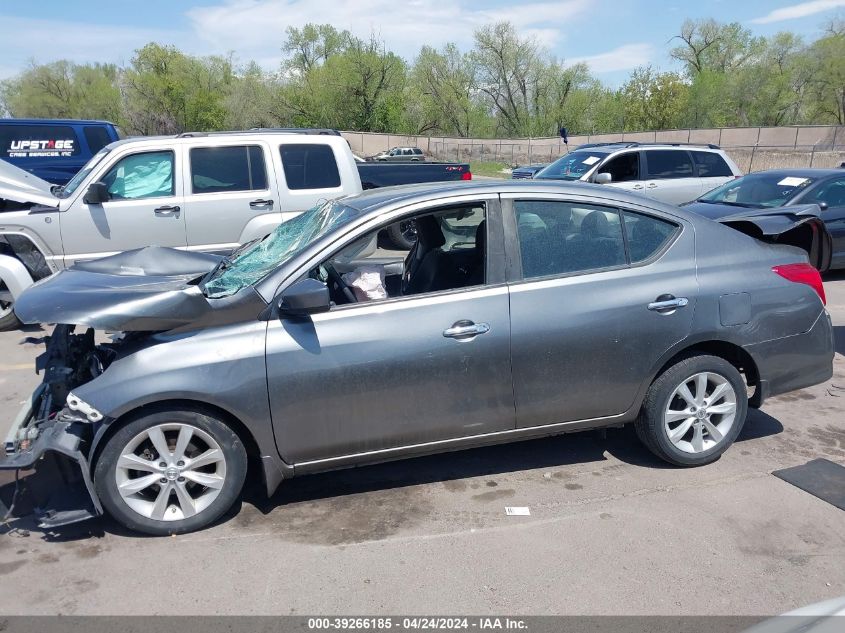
338,281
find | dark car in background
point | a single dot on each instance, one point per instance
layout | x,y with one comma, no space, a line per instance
524,172
779,189
54,149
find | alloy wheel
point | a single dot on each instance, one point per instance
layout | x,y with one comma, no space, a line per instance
700,412
170,472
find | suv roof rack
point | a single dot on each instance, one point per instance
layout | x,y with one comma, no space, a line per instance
254,130
646,144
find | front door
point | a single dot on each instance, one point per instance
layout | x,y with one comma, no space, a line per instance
587,319
145,209
832,195
405,370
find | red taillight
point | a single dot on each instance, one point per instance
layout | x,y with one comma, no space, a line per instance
802,274
467,175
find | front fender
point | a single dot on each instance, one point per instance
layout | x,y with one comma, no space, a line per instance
15,275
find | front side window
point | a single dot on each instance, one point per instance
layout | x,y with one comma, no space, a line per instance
144,175
448,254
38,141
237,168
623,168
558,238
831,193
309,166
669,163
711,165
82,174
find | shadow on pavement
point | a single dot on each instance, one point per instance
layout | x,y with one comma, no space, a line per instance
590,449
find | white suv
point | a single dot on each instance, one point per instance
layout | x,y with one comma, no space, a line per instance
672,173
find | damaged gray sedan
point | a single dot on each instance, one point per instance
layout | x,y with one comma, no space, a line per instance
522,310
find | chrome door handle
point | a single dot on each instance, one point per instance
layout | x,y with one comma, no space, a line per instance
668,304
167,211
466,329
637,187
652,185
261,203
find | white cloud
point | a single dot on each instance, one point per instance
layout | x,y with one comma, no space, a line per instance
796,11
255,29
624,57
26,39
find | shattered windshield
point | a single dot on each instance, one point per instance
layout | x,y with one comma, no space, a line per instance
289,239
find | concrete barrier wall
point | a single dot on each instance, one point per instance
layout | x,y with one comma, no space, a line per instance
753,148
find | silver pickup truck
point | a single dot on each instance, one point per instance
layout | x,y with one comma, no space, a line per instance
198,192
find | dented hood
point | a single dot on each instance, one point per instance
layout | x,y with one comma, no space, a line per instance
148,289
21,186
798,225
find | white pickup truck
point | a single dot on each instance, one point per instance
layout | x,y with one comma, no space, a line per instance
199,192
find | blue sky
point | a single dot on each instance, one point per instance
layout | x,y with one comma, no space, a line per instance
612,36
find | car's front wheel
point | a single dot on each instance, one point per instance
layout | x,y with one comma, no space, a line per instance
8,320
170,472
693,411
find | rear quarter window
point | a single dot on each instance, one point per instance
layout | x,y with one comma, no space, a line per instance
38,141
710,165
309,166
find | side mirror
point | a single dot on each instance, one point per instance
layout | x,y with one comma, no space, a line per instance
306,296
97,193
824,206
603,178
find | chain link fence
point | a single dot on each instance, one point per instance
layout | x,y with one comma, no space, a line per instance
753,149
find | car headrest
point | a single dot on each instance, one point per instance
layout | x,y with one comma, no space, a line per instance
595,224
429,233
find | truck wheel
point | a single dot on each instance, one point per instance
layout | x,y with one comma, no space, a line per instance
170,472
693,411
402,235
8,320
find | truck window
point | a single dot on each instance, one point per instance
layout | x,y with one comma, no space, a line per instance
237,168
143,175
309,166
97,137
38,141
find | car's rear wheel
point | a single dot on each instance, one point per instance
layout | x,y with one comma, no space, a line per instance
693,411
8,320
170,472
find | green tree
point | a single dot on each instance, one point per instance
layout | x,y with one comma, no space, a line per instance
654,100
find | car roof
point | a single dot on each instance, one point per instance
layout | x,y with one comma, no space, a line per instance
188,137
806,172
55,122
373,199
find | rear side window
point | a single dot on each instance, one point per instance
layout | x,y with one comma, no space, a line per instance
309,166
558,238
646,235
669,163
236,168
38,141
96,136
710,164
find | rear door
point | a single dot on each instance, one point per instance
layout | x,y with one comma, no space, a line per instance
592,311
670,176
230,195
711,169
145,209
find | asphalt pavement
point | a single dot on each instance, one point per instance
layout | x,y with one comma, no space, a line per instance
611,530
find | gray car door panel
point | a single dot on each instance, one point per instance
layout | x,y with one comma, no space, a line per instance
371,377
582,344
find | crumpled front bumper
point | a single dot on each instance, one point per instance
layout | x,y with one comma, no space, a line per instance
60,490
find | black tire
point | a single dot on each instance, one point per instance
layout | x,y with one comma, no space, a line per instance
235,457
398,239
8,321
650,426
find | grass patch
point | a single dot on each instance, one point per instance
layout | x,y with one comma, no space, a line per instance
490,168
